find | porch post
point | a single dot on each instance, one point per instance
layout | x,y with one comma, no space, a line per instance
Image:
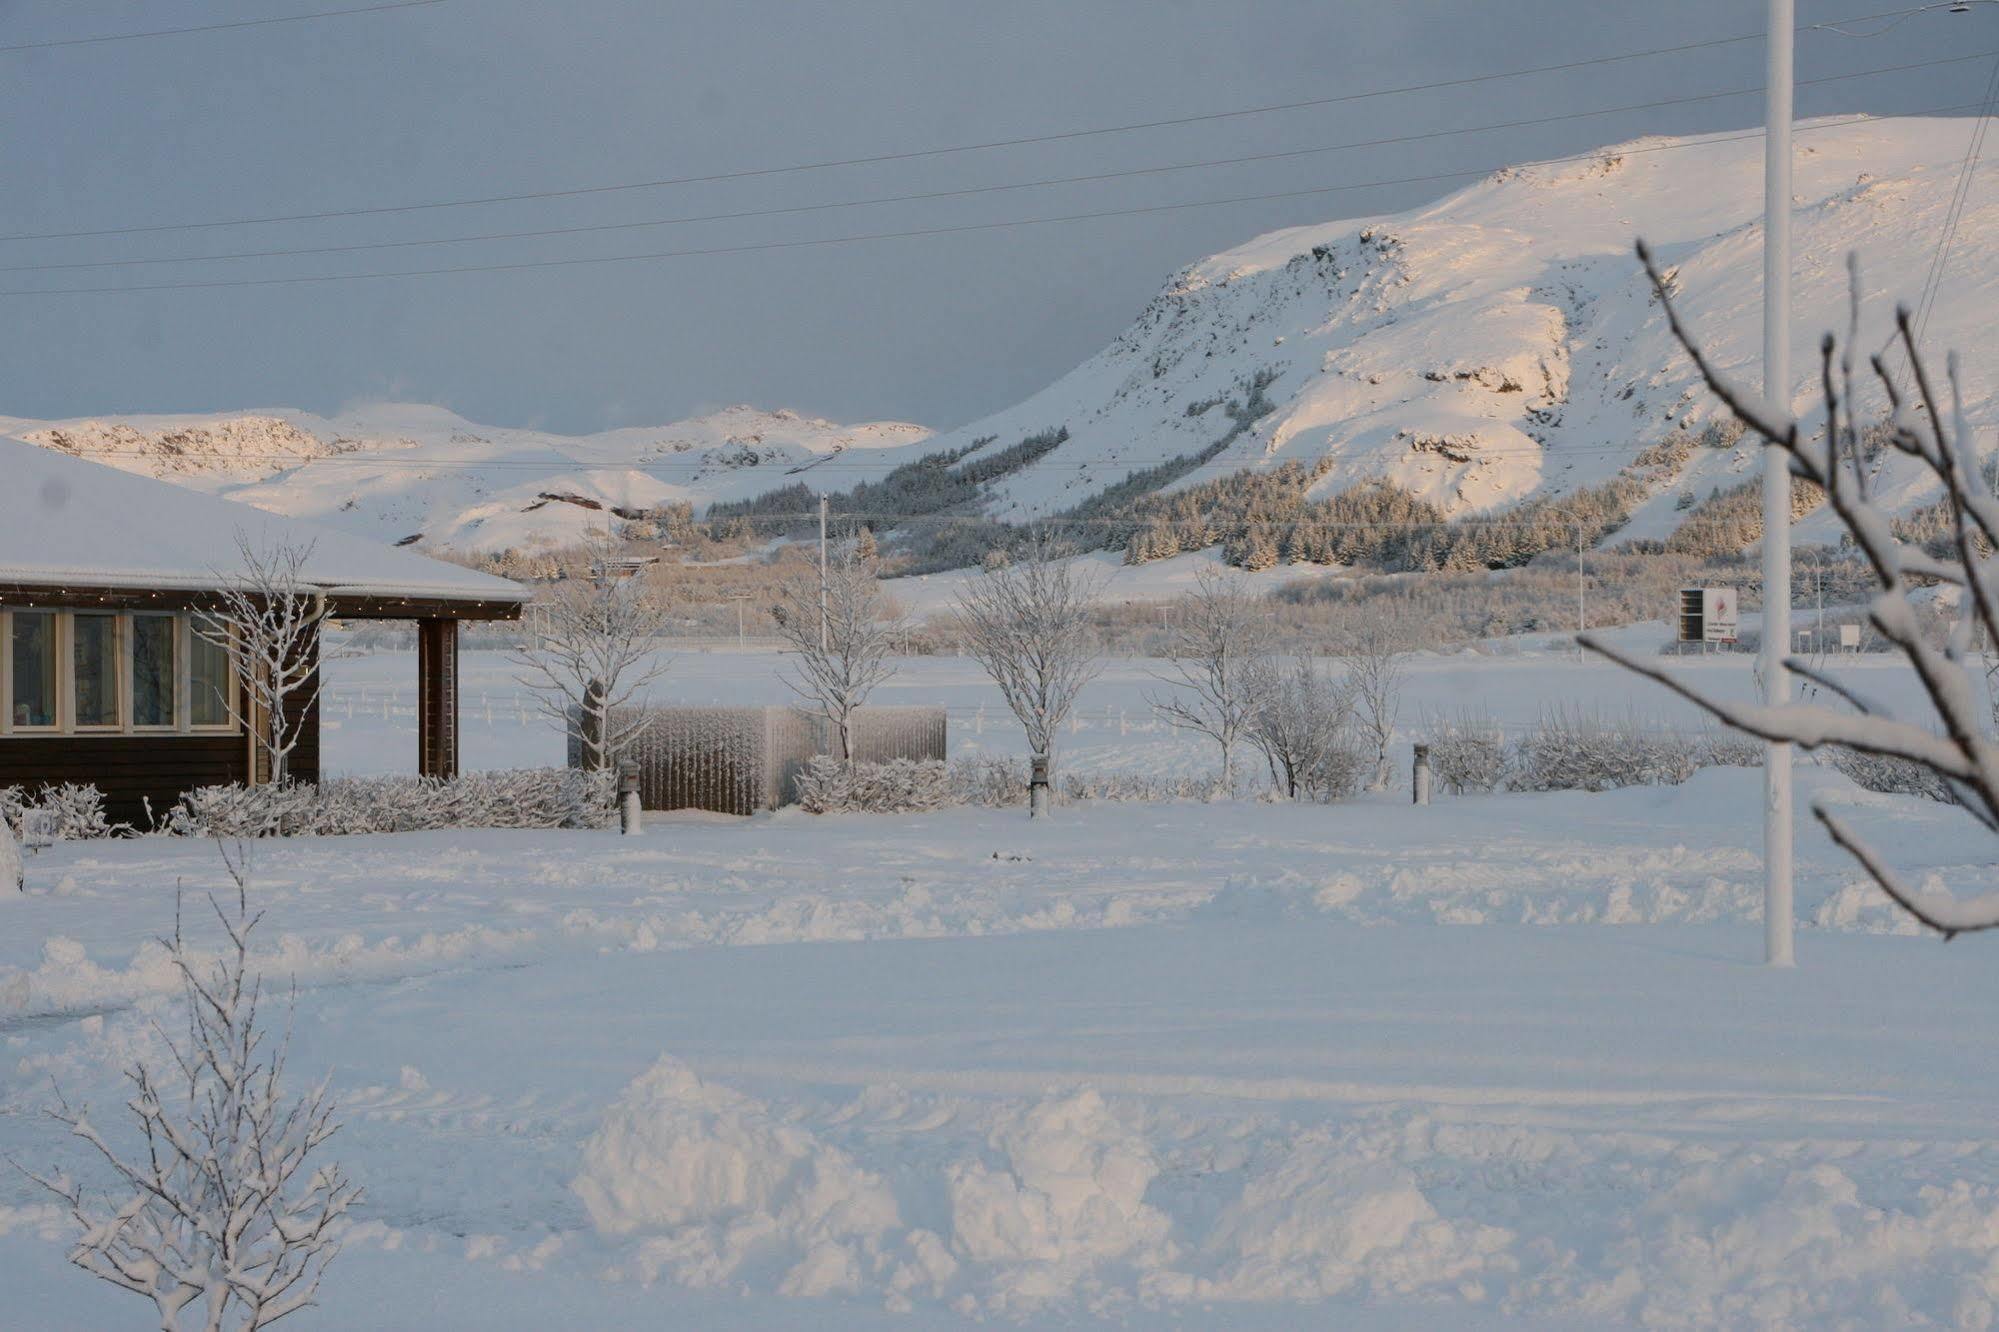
437,698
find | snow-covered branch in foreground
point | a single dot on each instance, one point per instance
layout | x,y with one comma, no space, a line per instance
1954,741
224,1219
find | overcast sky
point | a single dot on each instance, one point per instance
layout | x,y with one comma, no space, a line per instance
473,98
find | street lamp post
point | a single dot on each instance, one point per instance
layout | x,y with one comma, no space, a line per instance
1777,912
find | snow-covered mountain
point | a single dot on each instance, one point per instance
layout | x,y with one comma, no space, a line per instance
398,470
1493,346
1502,343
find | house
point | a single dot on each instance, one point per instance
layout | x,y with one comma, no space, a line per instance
104,679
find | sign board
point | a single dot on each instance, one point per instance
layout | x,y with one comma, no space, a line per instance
1719,606
1849,637
1708,614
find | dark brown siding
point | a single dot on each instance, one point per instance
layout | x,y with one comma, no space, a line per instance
128,769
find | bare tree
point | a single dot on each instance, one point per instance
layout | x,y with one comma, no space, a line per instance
1220,629
225,1218
593,654
838,660
1302,720
1027,622
268,617
1952,741
1373,646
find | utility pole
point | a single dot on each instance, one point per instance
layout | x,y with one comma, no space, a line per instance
1777,911
822,573
1582,616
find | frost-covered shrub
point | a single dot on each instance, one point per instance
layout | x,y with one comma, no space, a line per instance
75,811
1578,751
998,781
1467,752
901,786
1729,749
1889,775
516,798
1143,786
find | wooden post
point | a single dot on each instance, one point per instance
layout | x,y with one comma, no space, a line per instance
437,698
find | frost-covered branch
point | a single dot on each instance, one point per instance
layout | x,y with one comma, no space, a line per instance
1027,622
594,654
840,643
1220,630
1955,741
268,617
223,1218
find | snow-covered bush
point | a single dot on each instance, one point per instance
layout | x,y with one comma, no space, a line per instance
515,798
1580,751
13,875
1145,786
997,781
75,810
1729,749
900,786
225,1216
1467,752
1889,775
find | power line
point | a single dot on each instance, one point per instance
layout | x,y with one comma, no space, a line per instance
955,229
215,27
1962,196
829,464
911,154
929,195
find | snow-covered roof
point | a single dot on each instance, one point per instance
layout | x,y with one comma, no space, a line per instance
65,522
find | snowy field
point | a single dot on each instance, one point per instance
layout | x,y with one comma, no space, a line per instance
1504,1061
370,709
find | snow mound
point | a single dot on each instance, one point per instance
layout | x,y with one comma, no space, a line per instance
717,1189
1756,1243
1326,1220
1071,1197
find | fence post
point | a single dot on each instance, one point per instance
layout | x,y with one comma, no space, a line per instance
1420,775
630,820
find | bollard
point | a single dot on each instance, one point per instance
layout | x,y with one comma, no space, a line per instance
1037,787
630,820
1420,775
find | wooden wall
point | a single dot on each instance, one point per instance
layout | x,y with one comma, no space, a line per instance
128,769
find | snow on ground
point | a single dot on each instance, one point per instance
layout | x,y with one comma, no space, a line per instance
1504,1061
1115,729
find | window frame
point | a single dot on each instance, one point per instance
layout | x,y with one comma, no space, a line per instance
229,725
7,724
120,686
124,629
129,626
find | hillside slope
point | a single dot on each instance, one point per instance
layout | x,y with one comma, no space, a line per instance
397,470
1501,343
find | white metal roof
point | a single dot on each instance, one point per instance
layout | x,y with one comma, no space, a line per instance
68,522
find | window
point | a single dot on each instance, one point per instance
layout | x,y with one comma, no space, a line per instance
208,682
94,659
33,654
69,671
154,679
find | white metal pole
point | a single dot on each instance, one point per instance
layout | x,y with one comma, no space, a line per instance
1777,911
822,573
1582,613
